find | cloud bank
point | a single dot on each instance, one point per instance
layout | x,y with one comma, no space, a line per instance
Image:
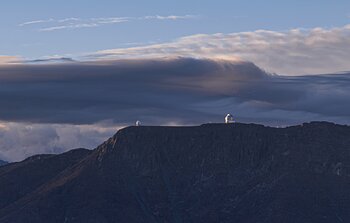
292,52
21,140
49,108
163,90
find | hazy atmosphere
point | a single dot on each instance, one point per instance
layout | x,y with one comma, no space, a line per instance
72,73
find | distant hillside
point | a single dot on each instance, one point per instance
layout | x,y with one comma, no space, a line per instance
2,162
209,173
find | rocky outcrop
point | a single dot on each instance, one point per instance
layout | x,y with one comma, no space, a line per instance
209,173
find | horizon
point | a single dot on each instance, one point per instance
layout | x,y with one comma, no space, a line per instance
182,126
71,73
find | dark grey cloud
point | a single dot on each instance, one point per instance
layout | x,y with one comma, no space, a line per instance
84,93
50,60
50,108
180,90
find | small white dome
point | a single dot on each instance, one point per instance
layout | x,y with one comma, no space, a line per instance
138,123
229,118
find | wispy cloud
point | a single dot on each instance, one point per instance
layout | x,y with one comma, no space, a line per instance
75,26
110,20
77,23
291,52
69,19
36,22
170,17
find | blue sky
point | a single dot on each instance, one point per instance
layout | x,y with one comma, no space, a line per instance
225,16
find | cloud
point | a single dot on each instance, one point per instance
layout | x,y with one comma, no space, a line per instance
50,108
111,20
170,17
47,60
19,140
9,59
75,23
69,19
75,26
36,22
157,91
292,52
78,23
85,93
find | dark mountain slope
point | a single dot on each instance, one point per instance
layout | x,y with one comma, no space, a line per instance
19,179
209,173
2,162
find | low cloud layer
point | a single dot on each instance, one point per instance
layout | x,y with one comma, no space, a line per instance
292,52
85,93
69,101
21,140
161,90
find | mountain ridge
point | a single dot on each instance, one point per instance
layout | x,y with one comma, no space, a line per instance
208,173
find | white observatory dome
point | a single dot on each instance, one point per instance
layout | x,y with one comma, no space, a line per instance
138,123
229,119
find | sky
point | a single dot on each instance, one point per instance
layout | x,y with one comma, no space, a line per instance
35,40
73,72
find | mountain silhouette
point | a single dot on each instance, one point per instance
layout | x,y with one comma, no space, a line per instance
209,173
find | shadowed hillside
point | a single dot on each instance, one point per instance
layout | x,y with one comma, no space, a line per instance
209,173
2,162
